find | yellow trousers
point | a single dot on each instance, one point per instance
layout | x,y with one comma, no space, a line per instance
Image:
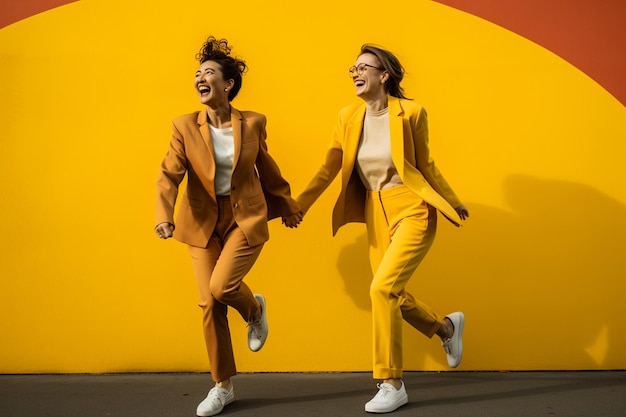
401,229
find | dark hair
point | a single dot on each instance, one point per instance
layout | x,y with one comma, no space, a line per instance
218,50
392,65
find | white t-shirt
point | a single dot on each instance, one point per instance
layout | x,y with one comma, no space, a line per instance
224,150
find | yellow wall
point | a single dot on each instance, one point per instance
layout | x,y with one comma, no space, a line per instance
534,147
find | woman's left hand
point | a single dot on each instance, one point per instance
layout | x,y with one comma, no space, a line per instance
462,211
293,220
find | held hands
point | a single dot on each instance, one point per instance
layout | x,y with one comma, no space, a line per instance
462,211
293,220
164,230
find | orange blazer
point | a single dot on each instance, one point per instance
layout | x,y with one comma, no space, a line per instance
410,154
258,190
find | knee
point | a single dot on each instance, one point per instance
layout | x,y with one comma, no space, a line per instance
205,303
219,292
378,291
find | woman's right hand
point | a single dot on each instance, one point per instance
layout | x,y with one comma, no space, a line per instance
293,220
164,230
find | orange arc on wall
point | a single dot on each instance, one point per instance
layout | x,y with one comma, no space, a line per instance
13,11
589,34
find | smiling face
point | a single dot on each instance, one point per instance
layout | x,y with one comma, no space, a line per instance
370,84
210,84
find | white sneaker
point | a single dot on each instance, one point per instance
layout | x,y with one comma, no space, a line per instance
257,330
215,402
387,399
454,345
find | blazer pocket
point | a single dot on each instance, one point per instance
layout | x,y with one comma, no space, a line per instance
257,199
193,202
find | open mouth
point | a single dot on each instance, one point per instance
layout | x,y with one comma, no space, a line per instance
204,90
359,83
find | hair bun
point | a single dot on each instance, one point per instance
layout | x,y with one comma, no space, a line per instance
213,48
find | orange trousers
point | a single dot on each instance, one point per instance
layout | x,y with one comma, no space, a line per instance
401,229
219,269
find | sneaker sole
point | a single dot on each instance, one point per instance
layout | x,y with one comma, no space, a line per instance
261,301
374,410
460,333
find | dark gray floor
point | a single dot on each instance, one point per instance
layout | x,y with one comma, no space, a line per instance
480,394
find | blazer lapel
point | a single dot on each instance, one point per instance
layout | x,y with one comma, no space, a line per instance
203,125
236,120
206,152
354,127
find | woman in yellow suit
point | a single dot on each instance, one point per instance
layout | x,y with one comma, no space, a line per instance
233,188
390,182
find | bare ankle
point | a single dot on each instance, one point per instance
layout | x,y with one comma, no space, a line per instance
394,382
446,330
224,384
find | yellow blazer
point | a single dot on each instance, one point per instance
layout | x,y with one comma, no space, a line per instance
258,190
410,154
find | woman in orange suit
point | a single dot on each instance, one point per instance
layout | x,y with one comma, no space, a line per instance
233,188
390,182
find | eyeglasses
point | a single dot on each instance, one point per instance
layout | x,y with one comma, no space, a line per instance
360,69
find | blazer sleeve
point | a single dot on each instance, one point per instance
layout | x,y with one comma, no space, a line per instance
327,172
171,174
426,164
276,188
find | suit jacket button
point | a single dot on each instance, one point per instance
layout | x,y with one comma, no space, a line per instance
236,205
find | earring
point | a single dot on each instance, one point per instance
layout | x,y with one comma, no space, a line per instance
226,89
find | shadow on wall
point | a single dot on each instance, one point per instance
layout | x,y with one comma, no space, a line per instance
549,275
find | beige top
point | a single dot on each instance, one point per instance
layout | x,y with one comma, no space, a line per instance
374,163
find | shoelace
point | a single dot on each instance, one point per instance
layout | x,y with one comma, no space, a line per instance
218,395
447,345
256,328
383,389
